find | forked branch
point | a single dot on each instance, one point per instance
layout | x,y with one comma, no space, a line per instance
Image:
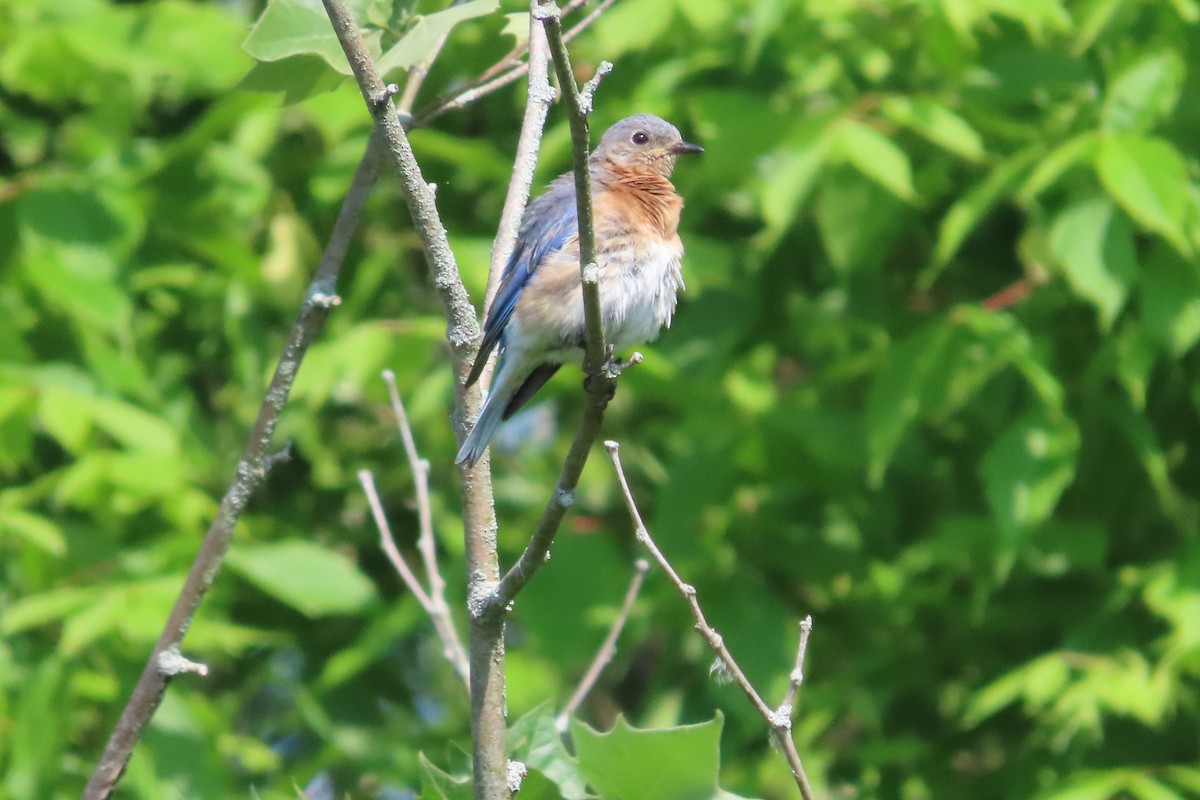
779,721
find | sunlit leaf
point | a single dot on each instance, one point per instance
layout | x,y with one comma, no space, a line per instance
877,157
936,123
1148,177
1144,93
1094,245
312,579
667,763
423,37
1028,468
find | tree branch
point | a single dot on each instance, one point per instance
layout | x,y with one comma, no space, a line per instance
505,71
779,722
578,107
608,648
602,372
253,467
440,612
537,105
486,656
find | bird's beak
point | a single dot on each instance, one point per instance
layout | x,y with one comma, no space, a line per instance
682,148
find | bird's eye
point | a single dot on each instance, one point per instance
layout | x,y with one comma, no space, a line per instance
640,137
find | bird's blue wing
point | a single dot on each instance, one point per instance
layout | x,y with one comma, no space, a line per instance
549,223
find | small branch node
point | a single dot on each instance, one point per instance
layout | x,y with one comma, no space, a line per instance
545,10
781,718
172,662
280,456
642,566
324,299
380,100
612,446
591,273
516,775
482,598
433,189
564,497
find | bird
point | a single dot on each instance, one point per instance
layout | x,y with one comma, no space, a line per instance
536,319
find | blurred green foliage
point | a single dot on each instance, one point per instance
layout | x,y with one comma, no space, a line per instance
934,381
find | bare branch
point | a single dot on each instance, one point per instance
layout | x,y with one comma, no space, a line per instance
539,96
488,726
508,69
797,676
608,648
165,660
779,724
439,611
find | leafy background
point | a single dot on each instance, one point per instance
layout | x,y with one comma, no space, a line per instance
934,381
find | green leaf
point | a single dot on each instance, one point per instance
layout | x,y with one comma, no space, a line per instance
1144,93
439,785
66,415
134,428
877,157
73,238
534,739
1094,246
1148,177
299,27
1170,300
787,178
421,40
858,220
314,580
936,123
627,763
1071,153
34,529
898,392
298,77
1028,468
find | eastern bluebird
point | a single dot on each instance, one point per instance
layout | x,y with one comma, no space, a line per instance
537,315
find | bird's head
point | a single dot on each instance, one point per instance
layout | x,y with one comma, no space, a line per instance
643,143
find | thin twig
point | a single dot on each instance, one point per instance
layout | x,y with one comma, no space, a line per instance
486,632
443,623
443,620
387,541
252,469
608,648
508,69
539,95
779,724
797,676
537,105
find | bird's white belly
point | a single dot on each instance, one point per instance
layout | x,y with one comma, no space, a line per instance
638,301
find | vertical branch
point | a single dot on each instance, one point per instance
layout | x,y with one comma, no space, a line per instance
539,95
578,108
486,631
602,372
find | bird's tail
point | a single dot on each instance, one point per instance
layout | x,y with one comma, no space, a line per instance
490,417
472,449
